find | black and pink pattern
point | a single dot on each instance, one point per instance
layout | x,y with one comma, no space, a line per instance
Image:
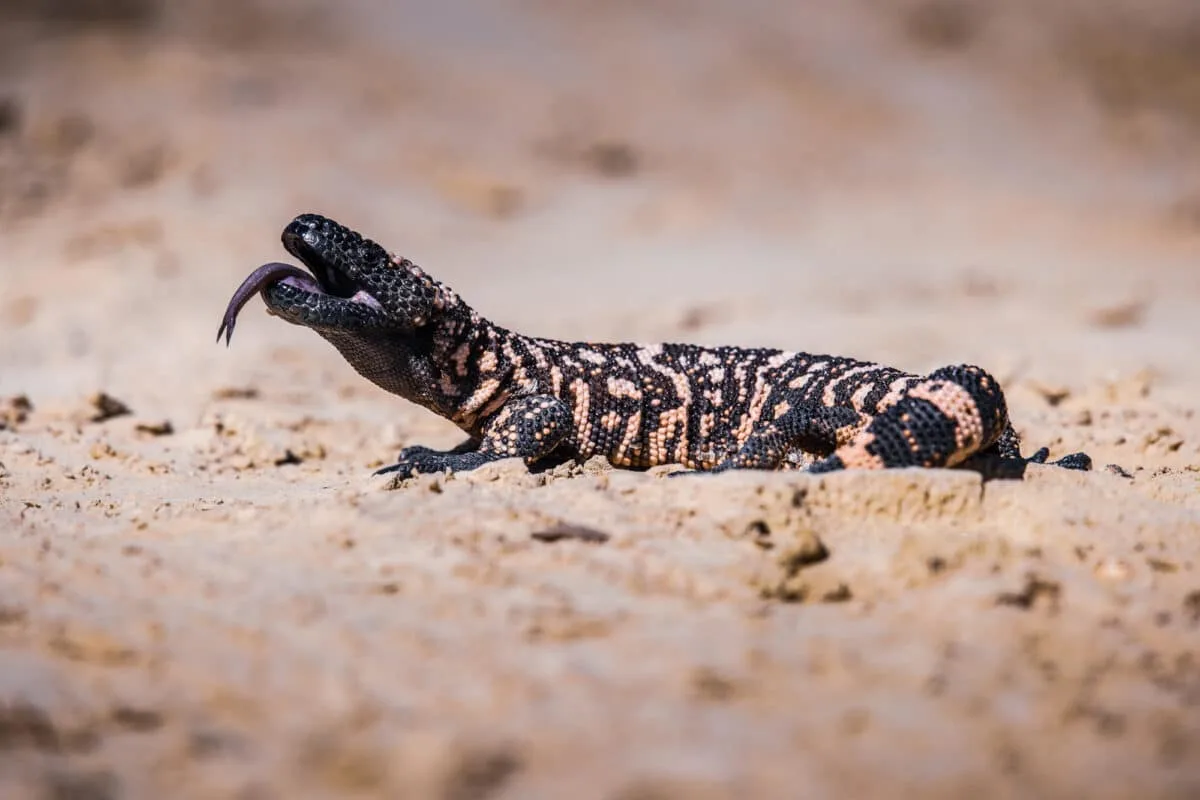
706,408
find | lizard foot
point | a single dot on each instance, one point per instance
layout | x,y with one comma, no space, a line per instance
1079,461
993,466
427,461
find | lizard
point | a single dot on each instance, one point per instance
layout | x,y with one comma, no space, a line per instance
708,409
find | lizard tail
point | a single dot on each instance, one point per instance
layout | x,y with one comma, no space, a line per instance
949,416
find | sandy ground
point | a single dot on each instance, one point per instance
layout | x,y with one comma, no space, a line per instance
203,593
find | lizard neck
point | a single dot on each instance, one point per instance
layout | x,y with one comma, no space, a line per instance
472,361
455,362
460,366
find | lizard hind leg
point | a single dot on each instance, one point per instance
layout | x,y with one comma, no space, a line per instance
1004,460
940,422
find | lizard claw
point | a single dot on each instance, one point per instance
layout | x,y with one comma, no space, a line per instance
683,473
408,461
403,469
1079,461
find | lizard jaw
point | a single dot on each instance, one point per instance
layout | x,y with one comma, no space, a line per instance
325,297
306,302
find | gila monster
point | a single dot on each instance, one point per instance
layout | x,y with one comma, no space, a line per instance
706,408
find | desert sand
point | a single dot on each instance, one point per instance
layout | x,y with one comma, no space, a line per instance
204,593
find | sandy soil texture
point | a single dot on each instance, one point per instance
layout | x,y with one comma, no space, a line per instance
204,593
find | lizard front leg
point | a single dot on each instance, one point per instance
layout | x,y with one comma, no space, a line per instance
526,427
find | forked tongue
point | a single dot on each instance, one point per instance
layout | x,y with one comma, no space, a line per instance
258,280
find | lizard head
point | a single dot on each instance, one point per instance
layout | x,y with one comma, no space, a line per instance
352,284
383,313
359,284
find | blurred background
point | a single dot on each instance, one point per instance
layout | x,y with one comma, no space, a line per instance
920,181
202,587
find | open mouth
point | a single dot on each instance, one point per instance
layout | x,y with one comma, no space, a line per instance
330,279
322,288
